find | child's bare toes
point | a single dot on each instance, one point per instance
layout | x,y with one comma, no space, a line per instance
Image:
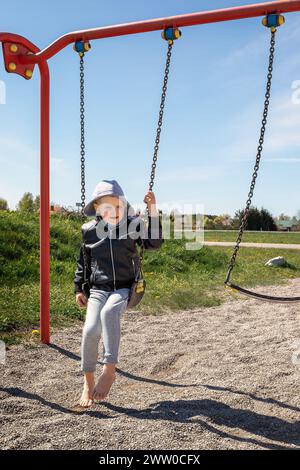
104,384
86,403
86,399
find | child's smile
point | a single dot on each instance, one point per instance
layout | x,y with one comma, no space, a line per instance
110,208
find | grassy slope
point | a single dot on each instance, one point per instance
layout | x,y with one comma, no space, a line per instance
256,237
176,277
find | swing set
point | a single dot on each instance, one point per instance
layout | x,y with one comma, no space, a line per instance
21,56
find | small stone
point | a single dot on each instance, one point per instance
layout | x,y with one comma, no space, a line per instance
278,261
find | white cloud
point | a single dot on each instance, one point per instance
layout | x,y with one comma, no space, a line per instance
191,174
282,131
253,47
58,166
283,160
260,43
13,148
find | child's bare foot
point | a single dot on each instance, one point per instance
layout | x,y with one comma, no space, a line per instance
105,382
86,399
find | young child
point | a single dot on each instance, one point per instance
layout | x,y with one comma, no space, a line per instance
111,240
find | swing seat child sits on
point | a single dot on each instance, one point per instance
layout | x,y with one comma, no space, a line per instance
110,240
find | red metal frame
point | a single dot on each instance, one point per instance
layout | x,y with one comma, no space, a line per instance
27,55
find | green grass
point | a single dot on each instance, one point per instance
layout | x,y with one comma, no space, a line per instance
176,278
256,237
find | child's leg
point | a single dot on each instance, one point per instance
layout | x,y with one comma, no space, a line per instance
92,330
111,324
111,327
90,342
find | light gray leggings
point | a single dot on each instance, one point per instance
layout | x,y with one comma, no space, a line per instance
104,310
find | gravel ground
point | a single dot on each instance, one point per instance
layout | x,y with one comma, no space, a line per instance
213,378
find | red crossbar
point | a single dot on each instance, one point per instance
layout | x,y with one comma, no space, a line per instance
192,19
36,56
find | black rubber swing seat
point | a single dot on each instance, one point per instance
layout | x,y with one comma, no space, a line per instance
258,296
270,21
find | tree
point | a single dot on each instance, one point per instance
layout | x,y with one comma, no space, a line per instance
36,203
3,204
283,217
294,220
256,220
208,223
223,222
267,221
26,203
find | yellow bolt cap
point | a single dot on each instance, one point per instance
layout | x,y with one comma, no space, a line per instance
13,48
12,66
28,73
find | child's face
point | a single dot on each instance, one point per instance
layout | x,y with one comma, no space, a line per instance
111,208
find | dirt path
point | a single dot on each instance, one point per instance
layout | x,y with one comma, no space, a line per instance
217,378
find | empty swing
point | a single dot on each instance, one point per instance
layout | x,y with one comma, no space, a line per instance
271,21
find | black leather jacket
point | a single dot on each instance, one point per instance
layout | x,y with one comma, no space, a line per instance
112,251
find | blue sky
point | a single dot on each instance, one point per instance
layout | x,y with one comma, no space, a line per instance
213,109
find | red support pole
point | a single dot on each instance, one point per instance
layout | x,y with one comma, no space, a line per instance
8,39
44,205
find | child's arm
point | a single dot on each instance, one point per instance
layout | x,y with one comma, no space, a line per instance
79,273
78,279
153,238
81,300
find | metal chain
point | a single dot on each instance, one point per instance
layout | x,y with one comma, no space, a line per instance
258,157
158,131
82,136
82,158
160,117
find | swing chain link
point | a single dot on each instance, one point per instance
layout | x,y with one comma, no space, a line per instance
158,132
161,113
82,158
82,136
258,158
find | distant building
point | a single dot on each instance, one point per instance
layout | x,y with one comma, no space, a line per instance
287,225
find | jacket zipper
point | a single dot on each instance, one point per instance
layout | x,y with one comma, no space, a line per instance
112,262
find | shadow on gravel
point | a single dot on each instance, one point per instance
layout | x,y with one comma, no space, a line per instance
220,414
272,401
19,393
191,412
